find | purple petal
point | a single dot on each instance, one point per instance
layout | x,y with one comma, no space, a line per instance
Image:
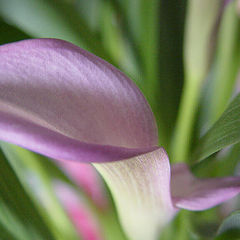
191,193
61,101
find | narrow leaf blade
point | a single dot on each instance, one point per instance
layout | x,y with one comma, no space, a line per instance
17,207
230,228
224,132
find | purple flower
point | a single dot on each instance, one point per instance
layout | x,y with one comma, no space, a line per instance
63,102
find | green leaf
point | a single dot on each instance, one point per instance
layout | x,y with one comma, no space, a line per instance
18,215
131,61
23,162
227,62
37,18
147,43
171,30
113,38
90,11
200,22
5,235
49,19
230,228
11,33
224,132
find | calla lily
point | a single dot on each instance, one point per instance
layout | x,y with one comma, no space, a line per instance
63,102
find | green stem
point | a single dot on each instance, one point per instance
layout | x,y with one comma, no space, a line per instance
110,225
184,225
227,63
183,132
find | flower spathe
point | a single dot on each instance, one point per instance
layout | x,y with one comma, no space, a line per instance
66,103
63,102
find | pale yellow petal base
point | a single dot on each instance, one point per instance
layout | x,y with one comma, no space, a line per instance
141,190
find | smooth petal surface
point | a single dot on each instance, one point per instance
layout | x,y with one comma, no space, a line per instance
81,217
191,193
141,190
61,101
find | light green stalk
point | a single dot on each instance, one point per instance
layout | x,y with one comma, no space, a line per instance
227,63
201,17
